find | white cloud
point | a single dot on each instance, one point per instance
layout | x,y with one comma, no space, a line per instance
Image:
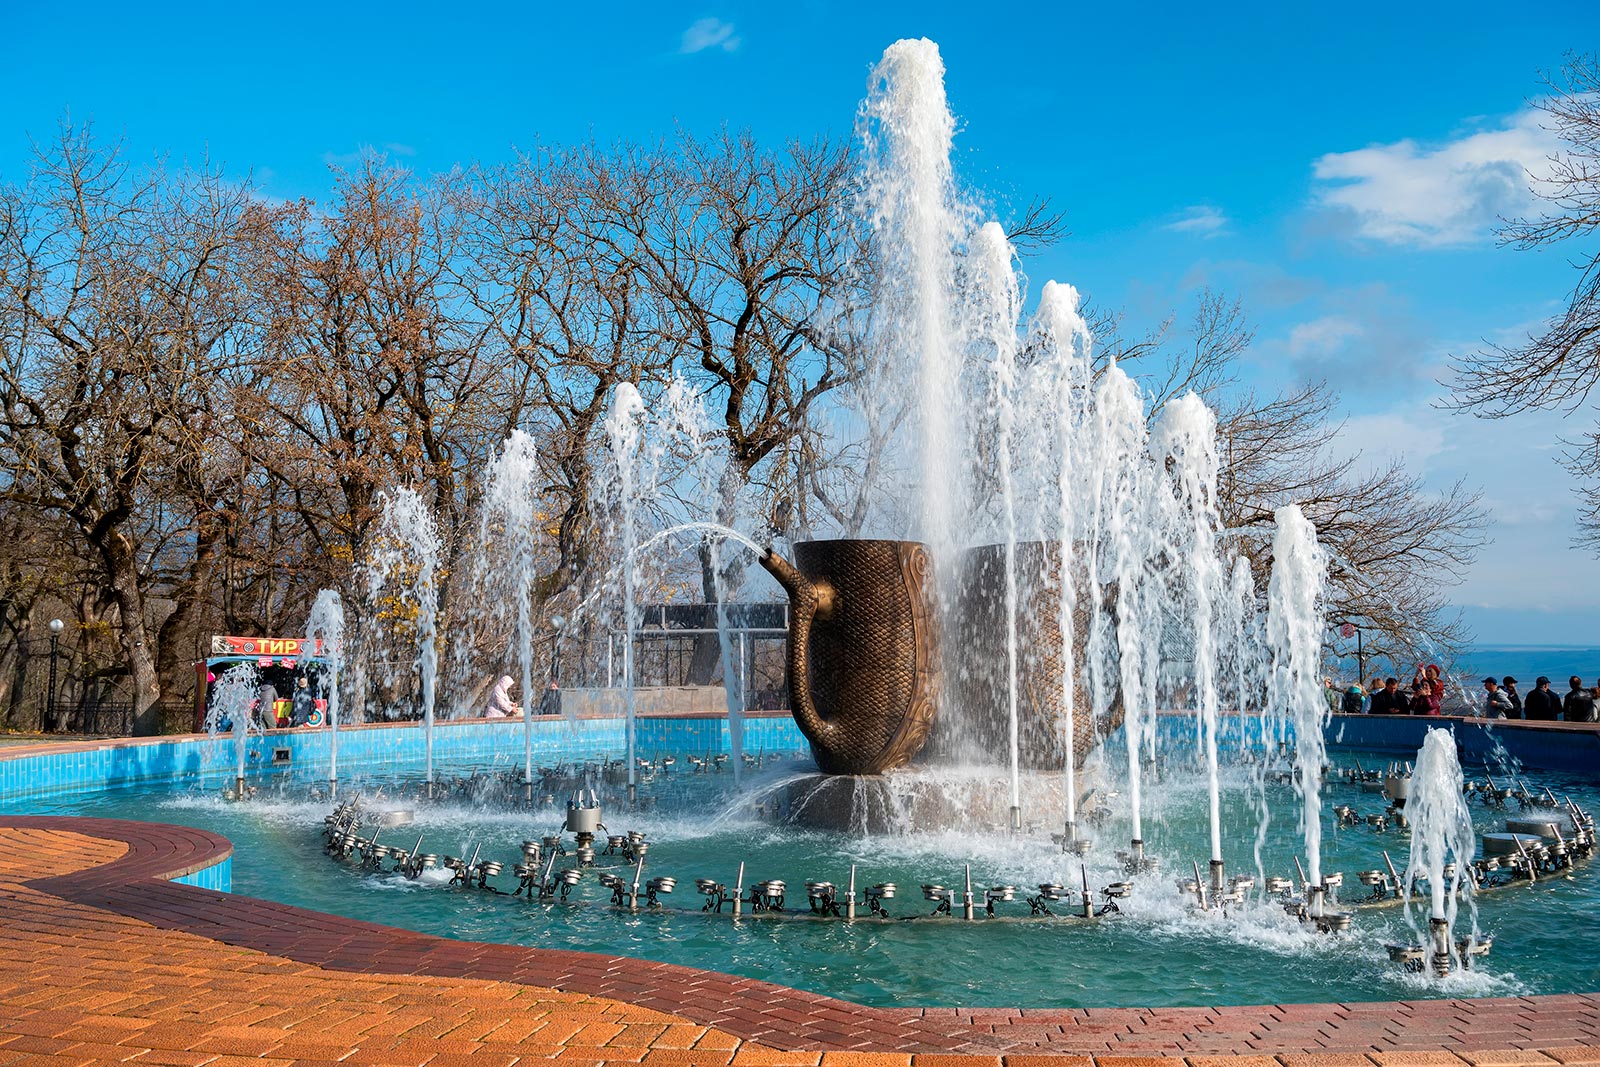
1414,437
1322,337
1365,341
1528,564
1450,194
709,33
1201,219
364,152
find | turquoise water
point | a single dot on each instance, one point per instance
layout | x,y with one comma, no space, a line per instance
1156,954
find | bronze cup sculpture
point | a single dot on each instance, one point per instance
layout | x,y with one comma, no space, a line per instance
862,648
1044,661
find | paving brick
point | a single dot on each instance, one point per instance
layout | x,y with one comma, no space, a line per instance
105,960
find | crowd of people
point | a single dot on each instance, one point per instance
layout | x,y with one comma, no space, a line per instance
1501,700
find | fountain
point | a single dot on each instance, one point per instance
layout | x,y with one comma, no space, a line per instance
405,563
1011,664
507,532
1294,631
232,700
325,630
1443,845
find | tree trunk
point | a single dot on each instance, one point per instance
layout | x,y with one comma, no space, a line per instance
122,564
706,661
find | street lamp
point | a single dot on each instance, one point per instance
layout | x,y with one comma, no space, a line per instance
1348,630
56,626
556,625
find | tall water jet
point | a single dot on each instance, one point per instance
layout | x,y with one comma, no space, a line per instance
1062,333
232,696
623,426
325,627
717,477
1241,614
1294,631
1443,845
732,665
996,301
508,517
1186,437
1120,528
909,198
405,560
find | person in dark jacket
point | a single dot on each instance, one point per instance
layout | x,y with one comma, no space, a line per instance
1509,684
1389,700
1542,703
303,704
1578,705
1352,701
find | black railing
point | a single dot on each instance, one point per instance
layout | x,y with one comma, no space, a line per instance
106,718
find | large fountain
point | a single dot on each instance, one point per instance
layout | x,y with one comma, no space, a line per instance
1041,581
1036,674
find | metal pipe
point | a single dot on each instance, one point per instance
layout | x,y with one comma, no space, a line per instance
546,885
966,900
1533,876
850,901
738,890
633,893
1399,890
1439,930
1314,895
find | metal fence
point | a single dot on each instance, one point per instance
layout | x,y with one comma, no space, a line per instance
106,718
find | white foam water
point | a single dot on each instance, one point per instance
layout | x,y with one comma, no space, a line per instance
1294,632
325,625
1441,835
404,561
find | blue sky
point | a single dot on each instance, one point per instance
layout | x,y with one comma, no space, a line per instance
1339,170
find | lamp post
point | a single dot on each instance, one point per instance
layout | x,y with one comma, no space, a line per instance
1347,630
556,624
56,626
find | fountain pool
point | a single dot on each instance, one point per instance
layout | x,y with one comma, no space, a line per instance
1157,952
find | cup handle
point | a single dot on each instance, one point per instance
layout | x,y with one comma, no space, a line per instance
807,598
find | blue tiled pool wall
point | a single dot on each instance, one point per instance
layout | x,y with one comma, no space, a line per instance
1494,745
455,747
460,747
218,876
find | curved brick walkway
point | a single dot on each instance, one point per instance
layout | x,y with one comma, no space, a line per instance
102,960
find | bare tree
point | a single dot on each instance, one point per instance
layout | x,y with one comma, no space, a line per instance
120,308
1394,545
1558,368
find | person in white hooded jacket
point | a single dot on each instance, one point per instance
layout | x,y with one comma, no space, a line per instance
501,705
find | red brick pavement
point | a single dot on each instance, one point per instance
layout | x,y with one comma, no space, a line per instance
764,1024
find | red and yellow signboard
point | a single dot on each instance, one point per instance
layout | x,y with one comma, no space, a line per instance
265,647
